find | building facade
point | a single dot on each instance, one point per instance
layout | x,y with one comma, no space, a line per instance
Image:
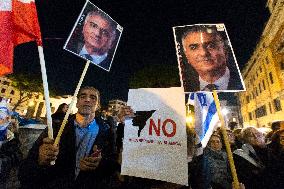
34,105
263,101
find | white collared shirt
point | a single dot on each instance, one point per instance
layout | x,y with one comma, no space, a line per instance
222,82
97,59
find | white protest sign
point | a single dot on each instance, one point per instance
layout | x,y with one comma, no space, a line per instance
155,142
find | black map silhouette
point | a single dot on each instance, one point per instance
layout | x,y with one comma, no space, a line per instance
141,118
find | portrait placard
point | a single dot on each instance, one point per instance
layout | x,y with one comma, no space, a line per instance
95,36
206,59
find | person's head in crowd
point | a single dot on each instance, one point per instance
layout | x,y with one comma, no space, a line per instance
88,101
275,126
62,108
99,33
231,136
237,132
233,125
206,52
254,137
277,141
4,113
215,142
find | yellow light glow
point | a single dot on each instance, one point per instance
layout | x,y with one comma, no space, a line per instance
31,103
189,119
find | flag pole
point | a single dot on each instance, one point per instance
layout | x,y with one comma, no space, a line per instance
57,139
46,92
226,141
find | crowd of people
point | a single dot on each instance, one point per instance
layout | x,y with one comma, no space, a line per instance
89,154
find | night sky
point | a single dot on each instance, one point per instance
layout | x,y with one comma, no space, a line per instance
147,38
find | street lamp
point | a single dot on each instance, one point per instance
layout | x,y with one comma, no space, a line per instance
31,103
225,111
189,116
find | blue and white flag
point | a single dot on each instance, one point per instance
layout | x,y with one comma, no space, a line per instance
206,116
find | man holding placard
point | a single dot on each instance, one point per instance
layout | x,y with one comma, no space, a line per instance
85,157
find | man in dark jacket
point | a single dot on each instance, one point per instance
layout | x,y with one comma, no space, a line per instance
85,157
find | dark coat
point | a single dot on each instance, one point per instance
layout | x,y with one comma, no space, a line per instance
274,172
250,175
62,174
219,170
10,156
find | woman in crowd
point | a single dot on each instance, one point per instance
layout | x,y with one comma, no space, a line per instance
250,160
58,116
275,167
10,154
219,172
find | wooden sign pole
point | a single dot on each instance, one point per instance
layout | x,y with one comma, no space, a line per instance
227,144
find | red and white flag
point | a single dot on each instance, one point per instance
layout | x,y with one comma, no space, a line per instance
18,24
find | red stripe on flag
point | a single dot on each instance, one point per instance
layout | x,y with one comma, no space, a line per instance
26,26
6,43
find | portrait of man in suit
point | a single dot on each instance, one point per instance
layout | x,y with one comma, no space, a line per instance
94,37
205,59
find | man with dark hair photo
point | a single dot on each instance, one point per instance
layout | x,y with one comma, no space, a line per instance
94,38
206,62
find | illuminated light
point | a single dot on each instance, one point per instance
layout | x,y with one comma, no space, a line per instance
31,103
189,119
225,111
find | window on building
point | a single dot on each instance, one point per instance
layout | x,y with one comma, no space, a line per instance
3,90
260,112
277,104
247,97
263,83
267,60
250,116
260,69
282,65
12,92
259,86
256,92
270,108
6,83
271,77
